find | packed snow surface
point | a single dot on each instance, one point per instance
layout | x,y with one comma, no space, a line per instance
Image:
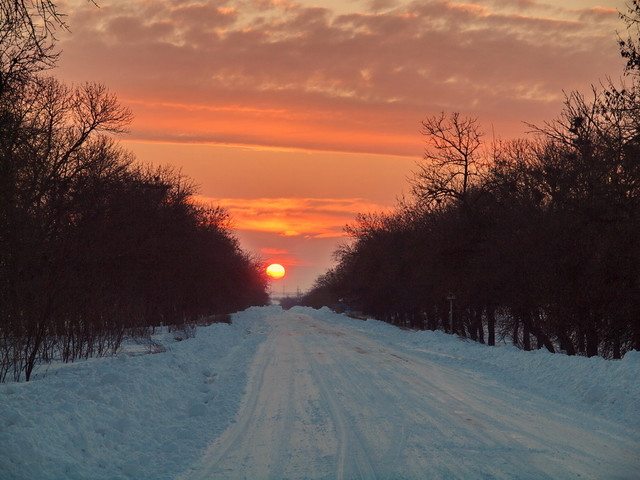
309,394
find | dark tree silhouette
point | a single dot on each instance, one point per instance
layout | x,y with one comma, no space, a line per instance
92,246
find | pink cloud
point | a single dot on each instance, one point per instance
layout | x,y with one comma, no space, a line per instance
279,73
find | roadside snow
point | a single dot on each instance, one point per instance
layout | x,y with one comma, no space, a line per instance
324,396
129,417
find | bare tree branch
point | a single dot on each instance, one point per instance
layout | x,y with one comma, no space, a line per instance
453,159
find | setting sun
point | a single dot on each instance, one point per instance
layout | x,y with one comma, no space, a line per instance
275,271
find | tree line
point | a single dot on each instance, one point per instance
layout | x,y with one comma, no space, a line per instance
536,239
93,246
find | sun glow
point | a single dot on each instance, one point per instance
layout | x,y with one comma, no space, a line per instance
275,271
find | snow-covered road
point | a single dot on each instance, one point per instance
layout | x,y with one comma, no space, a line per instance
306,394
333,401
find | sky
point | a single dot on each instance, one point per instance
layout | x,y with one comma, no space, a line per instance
298,115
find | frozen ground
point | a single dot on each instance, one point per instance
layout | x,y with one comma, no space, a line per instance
310,394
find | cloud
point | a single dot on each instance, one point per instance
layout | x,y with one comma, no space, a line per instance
294,217
279,73
597,14
378,5
284,257
274,251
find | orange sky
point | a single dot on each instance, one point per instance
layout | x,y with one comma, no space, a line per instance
296,115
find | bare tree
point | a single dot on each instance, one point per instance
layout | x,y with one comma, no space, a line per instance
630,47
453,159
27,38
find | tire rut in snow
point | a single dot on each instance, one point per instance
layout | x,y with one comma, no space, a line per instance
350,444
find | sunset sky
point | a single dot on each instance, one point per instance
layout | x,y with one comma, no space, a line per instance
296,115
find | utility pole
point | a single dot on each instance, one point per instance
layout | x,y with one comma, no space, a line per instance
451,297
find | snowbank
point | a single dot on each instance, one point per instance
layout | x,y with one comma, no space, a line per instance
129,417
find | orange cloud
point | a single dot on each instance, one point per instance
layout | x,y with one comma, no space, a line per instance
470,8
278,127
287,260
274,251
294,217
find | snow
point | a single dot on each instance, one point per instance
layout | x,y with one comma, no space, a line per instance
312,394
129,417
